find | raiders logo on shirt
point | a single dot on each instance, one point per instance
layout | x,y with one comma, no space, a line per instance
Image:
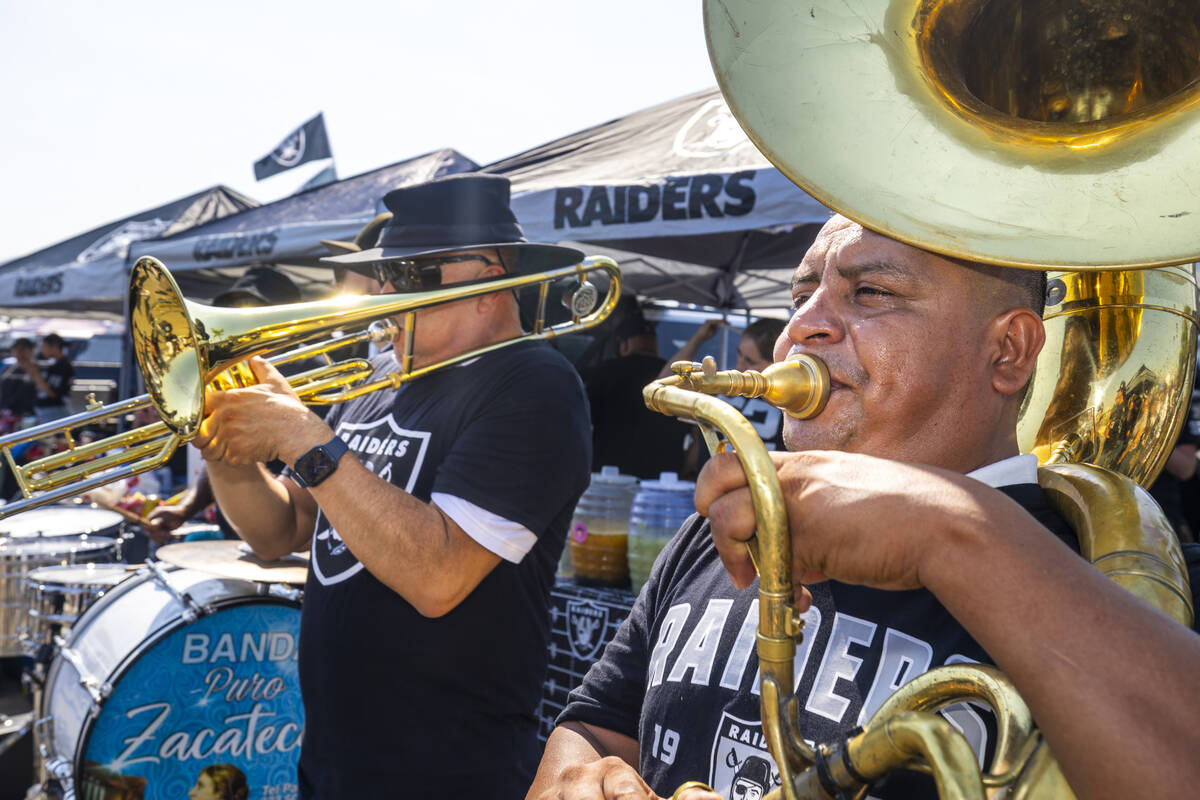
392,453
742,768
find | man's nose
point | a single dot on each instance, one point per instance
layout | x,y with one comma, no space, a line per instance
816,320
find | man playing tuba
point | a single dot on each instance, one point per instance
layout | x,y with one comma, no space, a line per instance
926,541
435,513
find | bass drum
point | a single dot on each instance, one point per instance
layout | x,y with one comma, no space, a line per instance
169,673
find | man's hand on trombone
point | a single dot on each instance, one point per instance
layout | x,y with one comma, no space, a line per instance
259,423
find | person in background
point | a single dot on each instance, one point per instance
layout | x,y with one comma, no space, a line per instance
625,433
53,383
753,352
257,287
17,390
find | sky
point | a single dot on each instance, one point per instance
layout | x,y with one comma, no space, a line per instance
112,108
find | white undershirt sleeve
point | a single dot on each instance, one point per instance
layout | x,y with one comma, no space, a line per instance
507,539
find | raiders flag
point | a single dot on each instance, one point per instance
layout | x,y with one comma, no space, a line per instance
307,143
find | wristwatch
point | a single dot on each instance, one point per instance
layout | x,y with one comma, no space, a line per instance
319,463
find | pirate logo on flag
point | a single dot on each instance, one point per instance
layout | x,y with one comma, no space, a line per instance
290,151
309,142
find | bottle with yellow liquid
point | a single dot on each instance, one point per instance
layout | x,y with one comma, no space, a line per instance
599,533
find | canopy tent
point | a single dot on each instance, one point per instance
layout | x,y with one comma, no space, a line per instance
288,232
679,196
86,273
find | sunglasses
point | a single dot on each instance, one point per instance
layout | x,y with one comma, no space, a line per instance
420,276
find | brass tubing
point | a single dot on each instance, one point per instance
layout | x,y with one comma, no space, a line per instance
92,482
779,625
67,476
954,683
1123,533
94,450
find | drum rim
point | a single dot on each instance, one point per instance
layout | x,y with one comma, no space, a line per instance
75,587
80,539
116,524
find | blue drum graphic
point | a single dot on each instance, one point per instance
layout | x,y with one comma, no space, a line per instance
208,698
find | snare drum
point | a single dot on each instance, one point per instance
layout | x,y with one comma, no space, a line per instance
56,596
172,671
20,556
65,519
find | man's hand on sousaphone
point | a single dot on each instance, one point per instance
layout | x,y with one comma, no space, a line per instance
852,518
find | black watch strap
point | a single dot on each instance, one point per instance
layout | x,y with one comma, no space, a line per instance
319,463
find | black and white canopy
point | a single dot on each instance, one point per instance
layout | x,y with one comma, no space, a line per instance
681,197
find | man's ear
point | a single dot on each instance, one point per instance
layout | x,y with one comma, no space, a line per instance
1018,335
486,302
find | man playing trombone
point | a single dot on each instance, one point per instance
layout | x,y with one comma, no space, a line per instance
923,539
435,514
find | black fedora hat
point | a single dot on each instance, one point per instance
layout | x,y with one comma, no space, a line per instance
262,286
461,212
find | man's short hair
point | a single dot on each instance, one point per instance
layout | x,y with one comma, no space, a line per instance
1028,285
22,342
54,340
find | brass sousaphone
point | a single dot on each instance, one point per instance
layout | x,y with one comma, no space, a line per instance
1049,134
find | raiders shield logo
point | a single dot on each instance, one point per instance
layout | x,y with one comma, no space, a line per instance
742,769
711,131
392,453
290,151
586,622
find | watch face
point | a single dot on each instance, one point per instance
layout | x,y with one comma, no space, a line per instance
315,465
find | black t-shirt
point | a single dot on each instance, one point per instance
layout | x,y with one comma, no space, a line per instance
400,705
681,675
59,375
17,391
626,434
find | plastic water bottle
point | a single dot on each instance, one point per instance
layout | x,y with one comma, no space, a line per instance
659,508
600,529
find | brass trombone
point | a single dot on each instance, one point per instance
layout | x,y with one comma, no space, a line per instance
183,347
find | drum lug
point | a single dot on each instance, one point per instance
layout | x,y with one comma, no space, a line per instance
42,733
60,768
191,609
282,590
98,689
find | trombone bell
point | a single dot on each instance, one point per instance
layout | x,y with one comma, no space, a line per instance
165,344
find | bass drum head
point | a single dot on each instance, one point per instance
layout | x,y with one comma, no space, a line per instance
220,690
